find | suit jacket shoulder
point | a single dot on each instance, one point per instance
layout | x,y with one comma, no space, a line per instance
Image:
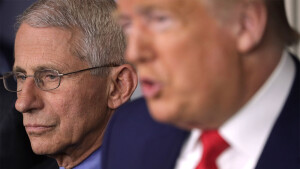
133,140
282,149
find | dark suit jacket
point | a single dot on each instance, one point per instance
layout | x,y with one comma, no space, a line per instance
15,149
134,141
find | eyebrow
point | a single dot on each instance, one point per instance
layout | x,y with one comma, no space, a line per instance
146,10
43,67
18,69
143,10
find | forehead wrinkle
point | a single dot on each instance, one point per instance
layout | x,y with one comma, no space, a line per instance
40,67
52,64
49,41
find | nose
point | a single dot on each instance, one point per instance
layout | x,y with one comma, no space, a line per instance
139,48
28,99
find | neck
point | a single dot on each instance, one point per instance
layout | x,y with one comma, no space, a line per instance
70,161
259,65
77,153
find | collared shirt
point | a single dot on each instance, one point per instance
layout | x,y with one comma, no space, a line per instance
92,162
248,130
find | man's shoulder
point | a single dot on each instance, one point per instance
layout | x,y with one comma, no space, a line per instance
134,116
132,107
135,111
282,149
133,140
294,95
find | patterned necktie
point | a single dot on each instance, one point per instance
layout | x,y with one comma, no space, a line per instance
213,146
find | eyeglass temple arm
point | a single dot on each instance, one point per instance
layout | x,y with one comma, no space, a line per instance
109,65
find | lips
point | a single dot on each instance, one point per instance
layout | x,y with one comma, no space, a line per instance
150,88
37,129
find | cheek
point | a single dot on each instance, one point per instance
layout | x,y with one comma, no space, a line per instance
87,106
180,64
194,59
196,69
67,106
73,119
65,103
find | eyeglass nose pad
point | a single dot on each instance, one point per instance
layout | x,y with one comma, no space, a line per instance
38,81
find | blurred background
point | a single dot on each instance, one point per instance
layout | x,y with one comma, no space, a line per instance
10,9
293,12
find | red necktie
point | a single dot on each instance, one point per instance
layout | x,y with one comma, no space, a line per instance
213,146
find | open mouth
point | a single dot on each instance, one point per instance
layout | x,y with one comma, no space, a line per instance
150,88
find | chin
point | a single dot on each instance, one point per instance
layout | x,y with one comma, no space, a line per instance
176,112
39,150
41,147
163,112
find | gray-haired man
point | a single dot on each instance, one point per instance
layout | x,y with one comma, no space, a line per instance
70,76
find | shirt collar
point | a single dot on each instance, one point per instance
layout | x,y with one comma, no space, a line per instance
247,131
92,162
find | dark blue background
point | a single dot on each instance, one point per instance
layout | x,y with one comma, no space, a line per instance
9,10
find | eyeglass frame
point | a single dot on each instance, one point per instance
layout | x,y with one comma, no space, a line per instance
60,75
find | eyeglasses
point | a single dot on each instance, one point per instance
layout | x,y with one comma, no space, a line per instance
47,79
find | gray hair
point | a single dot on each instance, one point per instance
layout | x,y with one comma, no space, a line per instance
96,38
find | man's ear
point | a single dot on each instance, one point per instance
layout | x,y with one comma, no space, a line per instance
122,85
252,26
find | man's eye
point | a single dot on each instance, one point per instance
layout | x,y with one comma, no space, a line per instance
160,18
160,21
51,77
126,26
20,77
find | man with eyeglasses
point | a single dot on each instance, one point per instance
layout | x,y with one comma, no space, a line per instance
70,76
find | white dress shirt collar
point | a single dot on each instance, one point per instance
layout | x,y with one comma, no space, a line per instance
247,131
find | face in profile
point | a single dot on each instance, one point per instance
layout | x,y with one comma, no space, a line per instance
186,59
66,120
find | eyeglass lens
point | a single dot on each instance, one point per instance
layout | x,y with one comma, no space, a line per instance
44,79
